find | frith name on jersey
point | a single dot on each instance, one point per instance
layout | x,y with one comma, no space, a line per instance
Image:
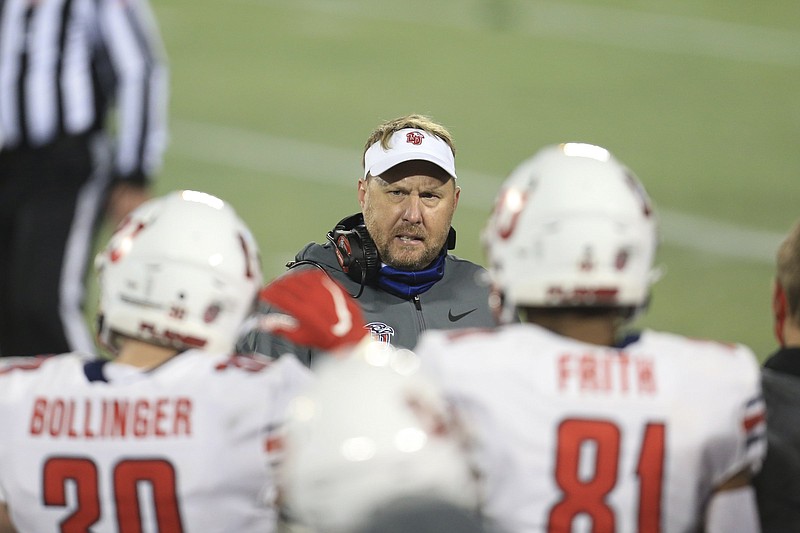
120,418
609,372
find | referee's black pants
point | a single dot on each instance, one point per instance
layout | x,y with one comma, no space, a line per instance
51,199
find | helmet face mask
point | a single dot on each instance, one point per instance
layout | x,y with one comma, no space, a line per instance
571,227
180,271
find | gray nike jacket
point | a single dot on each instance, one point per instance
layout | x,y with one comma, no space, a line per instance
459,300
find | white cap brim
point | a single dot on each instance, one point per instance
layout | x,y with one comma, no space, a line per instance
409,144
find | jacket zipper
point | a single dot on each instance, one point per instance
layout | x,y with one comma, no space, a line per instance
420,316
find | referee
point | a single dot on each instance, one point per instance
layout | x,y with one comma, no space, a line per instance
83,97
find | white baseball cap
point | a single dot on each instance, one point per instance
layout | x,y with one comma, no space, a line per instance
409,144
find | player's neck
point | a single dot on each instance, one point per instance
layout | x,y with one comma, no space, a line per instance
791,336
142,354
600,330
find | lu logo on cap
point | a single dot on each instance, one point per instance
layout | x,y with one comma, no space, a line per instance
414,137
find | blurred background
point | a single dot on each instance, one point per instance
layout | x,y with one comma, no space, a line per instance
272,100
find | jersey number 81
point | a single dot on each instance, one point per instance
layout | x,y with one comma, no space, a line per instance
588,496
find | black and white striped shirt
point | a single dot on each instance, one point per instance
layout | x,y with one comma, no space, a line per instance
65,63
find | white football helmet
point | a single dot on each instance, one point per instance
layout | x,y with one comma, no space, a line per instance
181,270
371,431
572,226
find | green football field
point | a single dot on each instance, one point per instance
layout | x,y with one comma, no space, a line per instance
271,101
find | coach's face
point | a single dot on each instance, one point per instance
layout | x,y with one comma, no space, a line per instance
408,211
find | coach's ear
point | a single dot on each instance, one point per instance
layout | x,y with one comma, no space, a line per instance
779,311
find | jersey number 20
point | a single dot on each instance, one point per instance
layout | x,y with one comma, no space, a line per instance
588,496
127,474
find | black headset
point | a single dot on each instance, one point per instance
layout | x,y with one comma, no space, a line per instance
356,251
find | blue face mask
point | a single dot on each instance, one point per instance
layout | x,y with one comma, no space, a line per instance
407,284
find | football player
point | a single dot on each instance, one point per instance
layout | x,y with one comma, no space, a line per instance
172,433
372,441
580,427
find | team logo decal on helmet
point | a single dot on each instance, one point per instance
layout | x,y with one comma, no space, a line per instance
125,244
380,332
507,211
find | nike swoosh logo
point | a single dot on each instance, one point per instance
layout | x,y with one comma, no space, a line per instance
454,318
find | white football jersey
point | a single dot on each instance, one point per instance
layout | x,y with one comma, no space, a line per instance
572,435
104,447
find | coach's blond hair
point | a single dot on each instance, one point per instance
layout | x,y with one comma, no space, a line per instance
385,131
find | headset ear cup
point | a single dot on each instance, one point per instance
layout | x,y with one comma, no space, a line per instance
371,261
349,253
355,250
